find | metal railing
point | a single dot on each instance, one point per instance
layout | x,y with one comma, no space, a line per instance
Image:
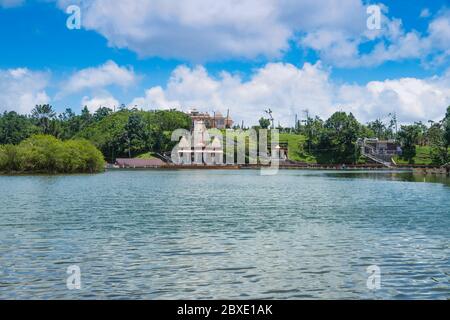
374,155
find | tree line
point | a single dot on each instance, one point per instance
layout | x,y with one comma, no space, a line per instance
131,132
335,139
124,133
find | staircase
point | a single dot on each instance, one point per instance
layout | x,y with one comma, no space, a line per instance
378,160
164,157
370,153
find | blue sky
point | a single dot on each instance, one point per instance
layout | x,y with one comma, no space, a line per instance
289,55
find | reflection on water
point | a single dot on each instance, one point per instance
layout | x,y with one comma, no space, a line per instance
225,234
390,175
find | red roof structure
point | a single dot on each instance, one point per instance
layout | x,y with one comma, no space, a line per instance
139,163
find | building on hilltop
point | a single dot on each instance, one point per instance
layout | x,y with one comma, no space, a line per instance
217,120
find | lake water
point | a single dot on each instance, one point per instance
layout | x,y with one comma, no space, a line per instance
225,234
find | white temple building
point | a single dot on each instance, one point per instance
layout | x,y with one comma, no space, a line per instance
198,149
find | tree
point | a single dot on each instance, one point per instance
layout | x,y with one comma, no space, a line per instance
311,129
438,144
43,114
378,128
264,123
102,113
392,129
337,139
67,115
408,136
269,112
86,116
135,134
14,128
70,124
422,130
446,127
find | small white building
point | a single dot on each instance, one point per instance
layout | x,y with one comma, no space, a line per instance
200,150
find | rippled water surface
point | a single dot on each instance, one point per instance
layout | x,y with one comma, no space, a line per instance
225,234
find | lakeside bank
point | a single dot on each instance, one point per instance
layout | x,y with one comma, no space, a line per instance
418,169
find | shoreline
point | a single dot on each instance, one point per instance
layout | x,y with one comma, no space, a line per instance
257,167
418,169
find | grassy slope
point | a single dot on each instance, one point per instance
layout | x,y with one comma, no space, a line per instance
147,155
295,145
422,156
297,153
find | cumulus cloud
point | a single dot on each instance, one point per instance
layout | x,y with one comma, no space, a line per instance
200,30
390,43
21,89
207,30
288,90
155,98
439,30
105,99
97,78
411,98
223,29
285,88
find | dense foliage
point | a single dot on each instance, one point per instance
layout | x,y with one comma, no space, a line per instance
130,133
334,140
125,133
47,154
337,140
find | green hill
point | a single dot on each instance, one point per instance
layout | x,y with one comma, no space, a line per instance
296,151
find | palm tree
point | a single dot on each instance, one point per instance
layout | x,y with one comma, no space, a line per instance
269,113
43,114
378,128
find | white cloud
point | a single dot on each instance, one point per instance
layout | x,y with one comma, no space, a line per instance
439,31
412,99
283,87
155,99
21,89
288,90
102,100
199,30
10,3
98,78
342,48
207,30
425,13
391,43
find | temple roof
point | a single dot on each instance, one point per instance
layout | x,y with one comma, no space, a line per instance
184,143
216,144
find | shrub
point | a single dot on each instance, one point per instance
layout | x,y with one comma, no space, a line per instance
44,153
82,156
9,158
